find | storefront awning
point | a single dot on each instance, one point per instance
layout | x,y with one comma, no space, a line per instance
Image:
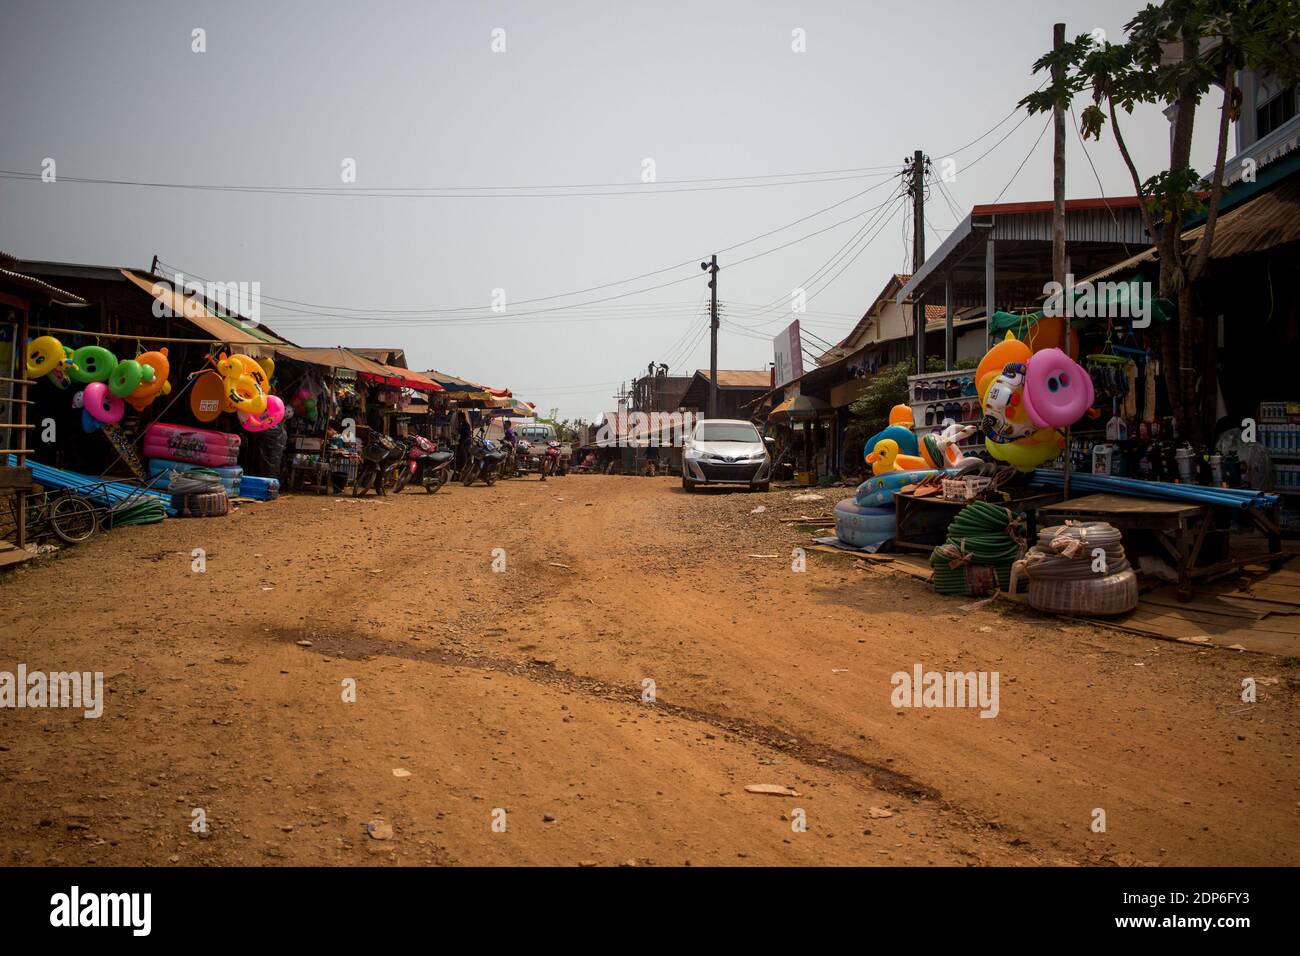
800,408
401,378
453,384
336,358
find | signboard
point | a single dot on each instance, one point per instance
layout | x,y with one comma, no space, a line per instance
788,351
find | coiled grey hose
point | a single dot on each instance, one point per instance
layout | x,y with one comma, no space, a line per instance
1066,551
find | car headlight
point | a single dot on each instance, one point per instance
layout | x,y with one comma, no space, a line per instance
698,454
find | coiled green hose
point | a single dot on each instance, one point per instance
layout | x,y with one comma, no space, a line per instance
984,540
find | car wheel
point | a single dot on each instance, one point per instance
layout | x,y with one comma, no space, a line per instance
687,484
761,486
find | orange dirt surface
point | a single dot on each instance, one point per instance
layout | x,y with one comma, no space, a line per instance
517,696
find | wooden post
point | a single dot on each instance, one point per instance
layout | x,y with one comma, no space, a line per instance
1058,221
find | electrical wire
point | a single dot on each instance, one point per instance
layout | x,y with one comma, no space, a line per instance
1025,160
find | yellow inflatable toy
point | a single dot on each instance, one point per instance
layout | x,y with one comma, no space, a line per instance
886,458
241,390
1028,453
44,355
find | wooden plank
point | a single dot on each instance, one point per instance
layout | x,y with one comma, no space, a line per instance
1272,607
1252,638
14,556
1281,624
1210,604
1282,595
1122,505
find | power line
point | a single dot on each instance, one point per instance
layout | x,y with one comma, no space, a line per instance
1025,160
448,192
287,302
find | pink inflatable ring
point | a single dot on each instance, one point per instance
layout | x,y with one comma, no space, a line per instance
1057,389
102,405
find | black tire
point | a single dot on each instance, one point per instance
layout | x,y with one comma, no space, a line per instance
489,478
73,519
687,485
403,476
467,476
201,504
761,486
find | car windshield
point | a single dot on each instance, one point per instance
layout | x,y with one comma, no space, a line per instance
727,431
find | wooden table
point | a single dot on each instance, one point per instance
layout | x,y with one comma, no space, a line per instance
1179,526
935,510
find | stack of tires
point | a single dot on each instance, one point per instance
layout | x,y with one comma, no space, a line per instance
199,494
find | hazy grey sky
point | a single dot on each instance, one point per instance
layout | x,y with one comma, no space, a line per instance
583,93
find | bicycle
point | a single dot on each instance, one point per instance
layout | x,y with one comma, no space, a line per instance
64,514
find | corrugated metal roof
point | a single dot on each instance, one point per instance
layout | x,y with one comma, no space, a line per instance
53,293
1268,220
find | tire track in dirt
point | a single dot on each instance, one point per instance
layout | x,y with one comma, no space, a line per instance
361,647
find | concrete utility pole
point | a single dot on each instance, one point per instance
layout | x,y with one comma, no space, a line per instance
711,267
917,189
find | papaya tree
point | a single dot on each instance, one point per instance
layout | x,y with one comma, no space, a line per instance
1173,53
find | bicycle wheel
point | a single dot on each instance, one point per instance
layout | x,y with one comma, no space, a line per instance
73,519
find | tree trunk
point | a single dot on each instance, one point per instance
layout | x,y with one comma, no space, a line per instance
1187,410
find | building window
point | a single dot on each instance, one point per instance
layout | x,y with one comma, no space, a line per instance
1275,112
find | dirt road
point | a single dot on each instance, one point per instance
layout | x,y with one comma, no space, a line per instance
511,700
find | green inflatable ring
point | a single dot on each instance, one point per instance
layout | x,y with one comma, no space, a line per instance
126,378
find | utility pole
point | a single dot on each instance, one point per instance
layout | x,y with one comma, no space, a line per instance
711,267
1058,176
917,191
1058,225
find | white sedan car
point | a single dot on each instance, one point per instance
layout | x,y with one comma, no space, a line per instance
725,451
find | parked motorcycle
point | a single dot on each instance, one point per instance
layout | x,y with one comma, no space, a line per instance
509,466
484,460
551,460
381,457
425,465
